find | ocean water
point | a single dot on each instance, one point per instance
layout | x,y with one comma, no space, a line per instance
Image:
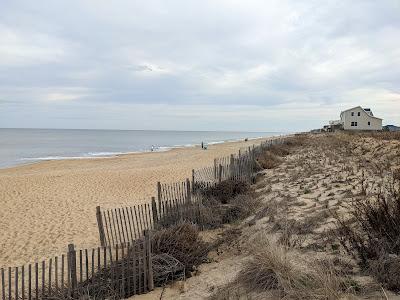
21,146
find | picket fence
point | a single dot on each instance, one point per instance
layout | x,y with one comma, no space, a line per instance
105,272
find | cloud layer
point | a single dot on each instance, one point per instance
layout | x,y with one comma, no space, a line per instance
196,65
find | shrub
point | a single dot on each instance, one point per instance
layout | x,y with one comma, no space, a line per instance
183,243
240,208
386,269
280,150
268,160
372,233
272,268
226,190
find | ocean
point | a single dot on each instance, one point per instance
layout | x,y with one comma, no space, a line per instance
22,146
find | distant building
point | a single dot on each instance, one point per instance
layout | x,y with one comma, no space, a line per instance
359,118
391,128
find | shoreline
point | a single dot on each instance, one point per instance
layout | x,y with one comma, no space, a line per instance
99,155
49,204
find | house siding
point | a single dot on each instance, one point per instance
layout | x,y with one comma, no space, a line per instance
362,120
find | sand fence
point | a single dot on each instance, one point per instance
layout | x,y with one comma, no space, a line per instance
123,265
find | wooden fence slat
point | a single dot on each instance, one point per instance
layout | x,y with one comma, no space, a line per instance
118,228
37,280
3,287
80,266
9,283
16,283
123,241
126,227
23,282
137,223
72,278
50,268
30,282
56,273
93,265
107,238
100,225
111,228
131,230
86,264
62,273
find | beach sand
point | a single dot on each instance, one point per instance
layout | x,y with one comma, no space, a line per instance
47,205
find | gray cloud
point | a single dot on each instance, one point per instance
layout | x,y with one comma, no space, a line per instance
130,64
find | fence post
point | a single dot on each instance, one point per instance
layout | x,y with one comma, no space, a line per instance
155,213
71,257
188,191
220,173
193,179
101,226
232,167
147,240
159,191
215,170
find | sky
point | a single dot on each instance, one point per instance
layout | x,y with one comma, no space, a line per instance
197,65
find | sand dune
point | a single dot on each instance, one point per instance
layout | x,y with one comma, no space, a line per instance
47,205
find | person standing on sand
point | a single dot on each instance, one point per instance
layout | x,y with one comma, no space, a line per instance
202,145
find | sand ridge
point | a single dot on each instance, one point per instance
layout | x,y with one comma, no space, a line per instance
47,205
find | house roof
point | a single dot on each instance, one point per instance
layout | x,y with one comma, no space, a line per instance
362,110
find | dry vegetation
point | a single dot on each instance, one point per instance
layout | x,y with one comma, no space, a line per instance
322,221
330,221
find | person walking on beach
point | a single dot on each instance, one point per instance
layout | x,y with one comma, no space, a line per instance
202,145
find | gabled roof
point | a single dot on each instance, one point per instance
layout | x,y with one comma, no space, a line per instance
362,110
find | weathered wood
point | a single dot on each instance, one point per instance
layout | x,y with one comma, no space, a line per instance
3,287
56,273
118,228
137,223
93,255
30,282
193,180
86,264
150,276
50,268
9,284
37,280
126,227
154,211
108,241
16,283
72,267
62,273
80,266
159,191
23,282
188,191
100,226
131,229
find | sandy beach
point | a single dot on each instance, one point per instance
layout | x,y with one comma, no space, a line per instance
47,205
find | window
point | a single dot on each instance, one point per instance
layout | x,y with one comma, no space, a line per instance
359,114
355,123
352,113
369,123
352,123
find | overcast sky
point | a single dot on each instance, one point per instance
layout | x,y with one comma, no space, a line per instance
197,65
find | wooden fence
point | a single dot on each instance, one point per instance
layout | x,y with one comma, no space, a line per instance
234,167
118,272
175,203
122,266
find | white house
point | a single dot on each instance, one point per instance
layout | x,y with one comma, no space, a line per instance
359,118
